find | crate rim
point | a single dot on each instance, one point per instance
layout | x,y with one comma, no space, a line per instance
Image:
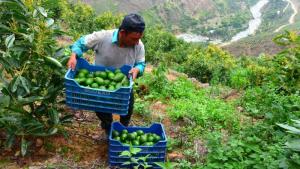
89,88
143,127
93,65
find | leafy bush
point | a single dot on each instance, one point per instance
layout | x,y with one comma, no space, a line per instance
162,46
32,78
239,78
256,146
209,64
80,19
265,102
205,112
156,82
186,102
292,159
258,68
287,64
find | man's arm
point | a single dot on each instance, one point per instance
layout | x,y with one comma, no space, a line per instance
139,65
79,47
82,45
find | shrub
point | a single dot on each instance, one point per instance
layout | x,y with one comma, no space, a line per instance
31,73
209,64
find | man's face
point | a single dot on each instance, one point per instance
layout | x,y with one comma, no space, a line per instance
130,38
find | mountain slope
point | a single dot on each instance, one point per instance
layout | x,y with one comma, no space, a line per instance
214,18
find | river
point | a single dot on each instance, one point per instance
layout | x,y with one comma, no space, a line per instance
253,26
254,23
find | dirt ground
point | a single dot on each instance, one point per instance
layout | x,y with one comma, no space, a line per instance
84,147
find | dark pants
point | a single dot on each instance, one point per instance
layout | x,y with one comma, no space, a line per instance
106,118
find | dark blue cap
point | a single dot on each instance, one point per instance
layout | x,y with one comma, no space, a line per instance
133,23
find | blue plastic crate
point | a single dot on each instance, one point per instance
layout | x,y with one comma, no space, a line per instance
156,153
99,100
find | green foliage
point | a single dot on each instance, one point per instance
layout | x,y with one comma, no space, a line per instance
188,103
166,165
256,146
257,68
156,82
287,63
209,64
80,19
31,73
141,107
292,159
54,9
162,46
136,162
265,103
239,78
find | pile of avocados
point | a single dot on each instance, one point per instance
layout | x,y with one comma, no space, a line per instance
136,138
105,80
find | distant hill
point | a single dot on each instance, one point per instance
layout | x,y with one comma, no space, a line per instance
216,19
262,42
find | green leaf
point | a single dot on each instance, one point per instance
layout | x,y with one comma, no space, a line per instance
25,84
29,37
34,128
133,160
166,165
134,150
54,117
9,41
4,100
24,147
126,163
18,2
147,166
125,154
42,11
67,119
290,128
6,63
28,100
35,12
10,140
283,164
294,145
53,61
16,82
296,121
49,22
53,131
3,27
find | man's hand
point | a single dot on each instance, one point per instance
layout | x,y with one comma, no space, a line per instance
134,71
72,61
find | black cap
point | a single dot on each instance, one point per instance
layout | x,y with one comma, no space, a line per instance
133,23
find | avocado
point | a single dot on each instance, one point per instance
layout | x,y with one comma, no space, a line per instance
89,81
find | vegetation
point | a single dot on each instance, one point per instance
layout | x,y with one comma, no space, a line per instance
212,129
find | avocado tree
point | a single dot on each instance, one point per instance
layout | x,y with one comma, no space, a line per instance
31,73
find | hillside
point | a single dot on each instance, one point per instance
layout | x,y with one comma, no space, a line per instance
262,41
214,18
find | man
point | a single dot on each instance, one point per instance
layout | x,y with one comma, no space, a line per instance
115,48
